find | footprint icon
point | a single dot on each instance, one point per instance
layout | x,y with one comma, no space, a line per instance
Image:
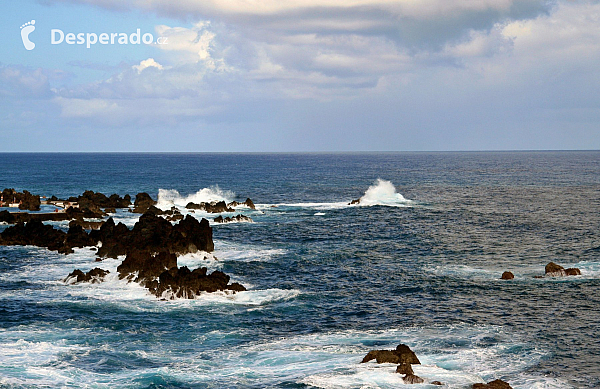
27,29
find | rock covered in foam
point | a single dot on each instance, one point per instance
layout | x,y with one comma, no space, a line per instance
184,283
211,207
249,203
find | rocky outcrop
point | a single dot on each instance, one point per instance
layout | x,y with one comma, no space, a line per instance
25,200
353,202
184,283
143,267
248,203
232,219
36,233
402,354
554,270
100,200
496,384
507,276
404,368
95,275
212,207
143,201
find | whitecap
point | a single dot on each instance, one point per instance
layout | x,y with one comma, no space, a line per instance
168,198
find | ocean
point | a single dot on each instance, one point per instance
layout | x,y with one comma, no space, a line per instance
417,262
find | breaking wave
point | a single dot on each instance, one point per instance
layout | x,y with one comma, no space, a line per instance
170,197
383,193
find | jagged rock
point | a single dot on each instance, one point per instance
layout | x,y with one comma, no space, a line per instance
412,379
34,233
212,207
86,225
100,200
237,218
404,368
436,383
357,201
147,266
249,203
402,354
183,283
143,201
507,276
95,275
88,211
113,238
77,237
25,200
554,270
496,384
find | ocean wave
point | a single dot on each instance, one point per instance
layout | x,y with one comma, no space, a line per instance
168,198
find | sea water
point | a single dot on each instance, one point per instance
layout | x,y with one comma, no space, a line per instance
417,261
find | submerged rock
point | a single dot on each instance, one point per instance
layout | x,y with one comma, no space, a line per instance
496,384
402,354
412,379
507,276
357,201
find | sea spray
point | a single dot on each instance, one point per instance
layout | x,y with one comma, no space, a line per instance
170,197
383,193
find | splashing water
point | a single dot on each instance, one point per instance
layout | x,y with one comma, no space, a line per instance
169,197
383,193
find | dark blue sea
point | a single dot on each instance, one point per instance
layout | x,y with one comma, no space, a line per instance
417,262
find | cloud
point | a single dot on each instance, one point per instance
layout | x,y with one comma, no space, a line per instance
147,63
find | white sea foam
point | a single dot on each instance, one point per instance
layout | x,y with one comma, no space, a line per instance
383,193
231,251
170,197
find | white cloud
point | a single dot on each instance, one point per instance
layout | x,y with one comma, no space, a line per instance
147,63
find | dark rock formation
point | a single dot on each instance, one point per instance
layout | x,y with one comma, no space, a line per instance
496,384
86,225
213,207
554,270
147,266
112,237
100,200
507,276
404,368
237,218
143,201
249,203
357,201
402,354
183,283
7,217
26,200
573,271
437,383
95,275
412,379
89,211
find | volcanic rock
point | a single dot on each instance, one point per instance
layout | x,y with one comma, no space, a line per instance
237,218
357,201
554,270
143,201
95,275
100,200
496,384
573,271
147,266
402,354
249,203
26,200
507,276
183,283
404,368
212,207
412,379
34,233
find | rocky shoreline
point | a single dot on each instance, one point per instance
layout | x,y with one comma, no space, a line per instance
150,248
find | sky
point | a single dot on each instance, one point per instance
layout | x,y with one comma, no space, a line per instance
300,75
